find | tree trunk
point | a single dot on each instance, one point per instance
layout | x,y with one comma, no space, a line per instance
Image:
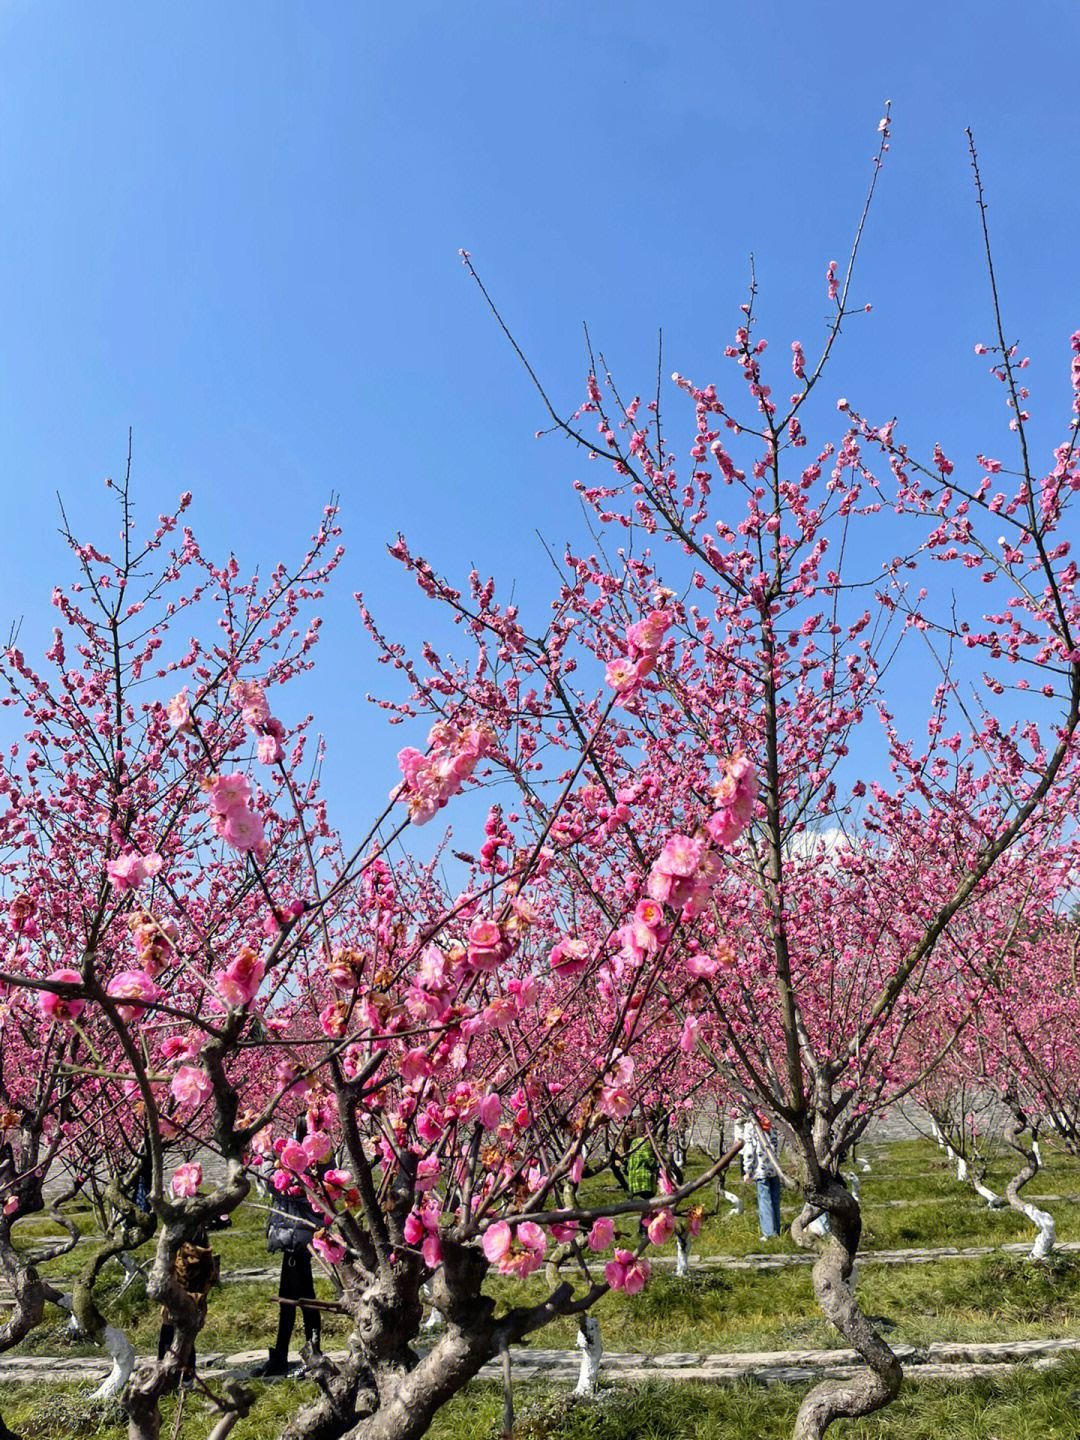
1041,1219
833,1285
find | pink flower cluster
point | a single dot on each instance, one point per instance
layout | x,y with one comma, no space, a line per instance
488,946
627,1272
431,779
684,874
190,1085
515,1251
129,871
326,1244
155,941
232,816
422,1228
643,934
255,713
643,641
734,797
23,915
239,982
569,956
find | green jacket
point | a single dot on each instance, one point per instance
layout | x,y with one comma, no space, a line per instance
642,1168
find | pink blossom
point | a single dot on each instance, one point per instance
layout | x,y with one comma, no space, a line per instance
615,1102
432,1251
239,982
648,912
496,1242
328,1246
413,1229
569,956
294,1157
486,948
187,1179
243,829
132,985
57,1008
415,1067
602,1233
318,1146
490,1111
229,792
661,1228
680,856
129,871
190,1086
178,711
689,1036
626,1272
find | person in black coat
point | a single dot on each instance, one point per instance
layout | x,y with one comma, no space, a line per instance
289,1230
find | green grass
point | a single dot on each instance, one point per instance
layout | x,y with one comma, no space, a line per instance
997,1297
1021,1404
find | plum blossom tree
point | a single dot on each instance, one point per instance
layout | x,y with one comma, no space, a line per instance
793,921
193,948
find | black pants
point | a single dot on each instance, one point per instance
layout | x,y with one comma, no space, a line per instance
165,1339
296,1284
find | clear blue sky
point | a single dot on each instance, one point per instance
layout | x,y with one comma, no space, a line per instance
234,228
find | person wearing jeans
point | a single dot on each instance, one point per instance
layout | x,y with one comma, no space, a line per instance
761,1166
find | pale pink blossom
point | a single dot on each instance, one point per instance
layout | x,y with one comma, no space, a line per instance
569,956
132,985
496,1242
661,1227
127,872
186,1179
602,1233
178,711
190,1085
56,1007
239,982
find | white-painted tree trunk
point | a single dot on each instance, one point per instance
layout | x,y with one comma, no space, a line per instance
120,1348
592,1347
853,1184
1044,1223
1037,1152
116,1344
935,1131
992,1199
961,1169
682,1255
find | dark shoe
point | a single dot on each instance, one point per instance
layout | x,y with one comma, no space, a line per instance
273,1369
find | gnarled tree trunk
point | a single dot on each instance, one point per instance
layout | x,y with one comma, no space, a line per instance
833,1286
1041,1219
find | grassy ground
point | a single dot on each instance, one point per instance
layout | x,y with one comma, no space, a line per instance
997,1297
1021,1405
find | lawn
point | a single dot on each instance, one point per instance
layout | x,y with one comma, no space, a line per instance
994,1297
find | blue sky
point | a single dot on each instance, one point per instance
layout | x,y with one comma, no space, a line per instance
235,227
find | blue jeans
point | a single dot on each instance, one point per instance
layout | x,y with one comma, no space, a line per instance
768,1206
